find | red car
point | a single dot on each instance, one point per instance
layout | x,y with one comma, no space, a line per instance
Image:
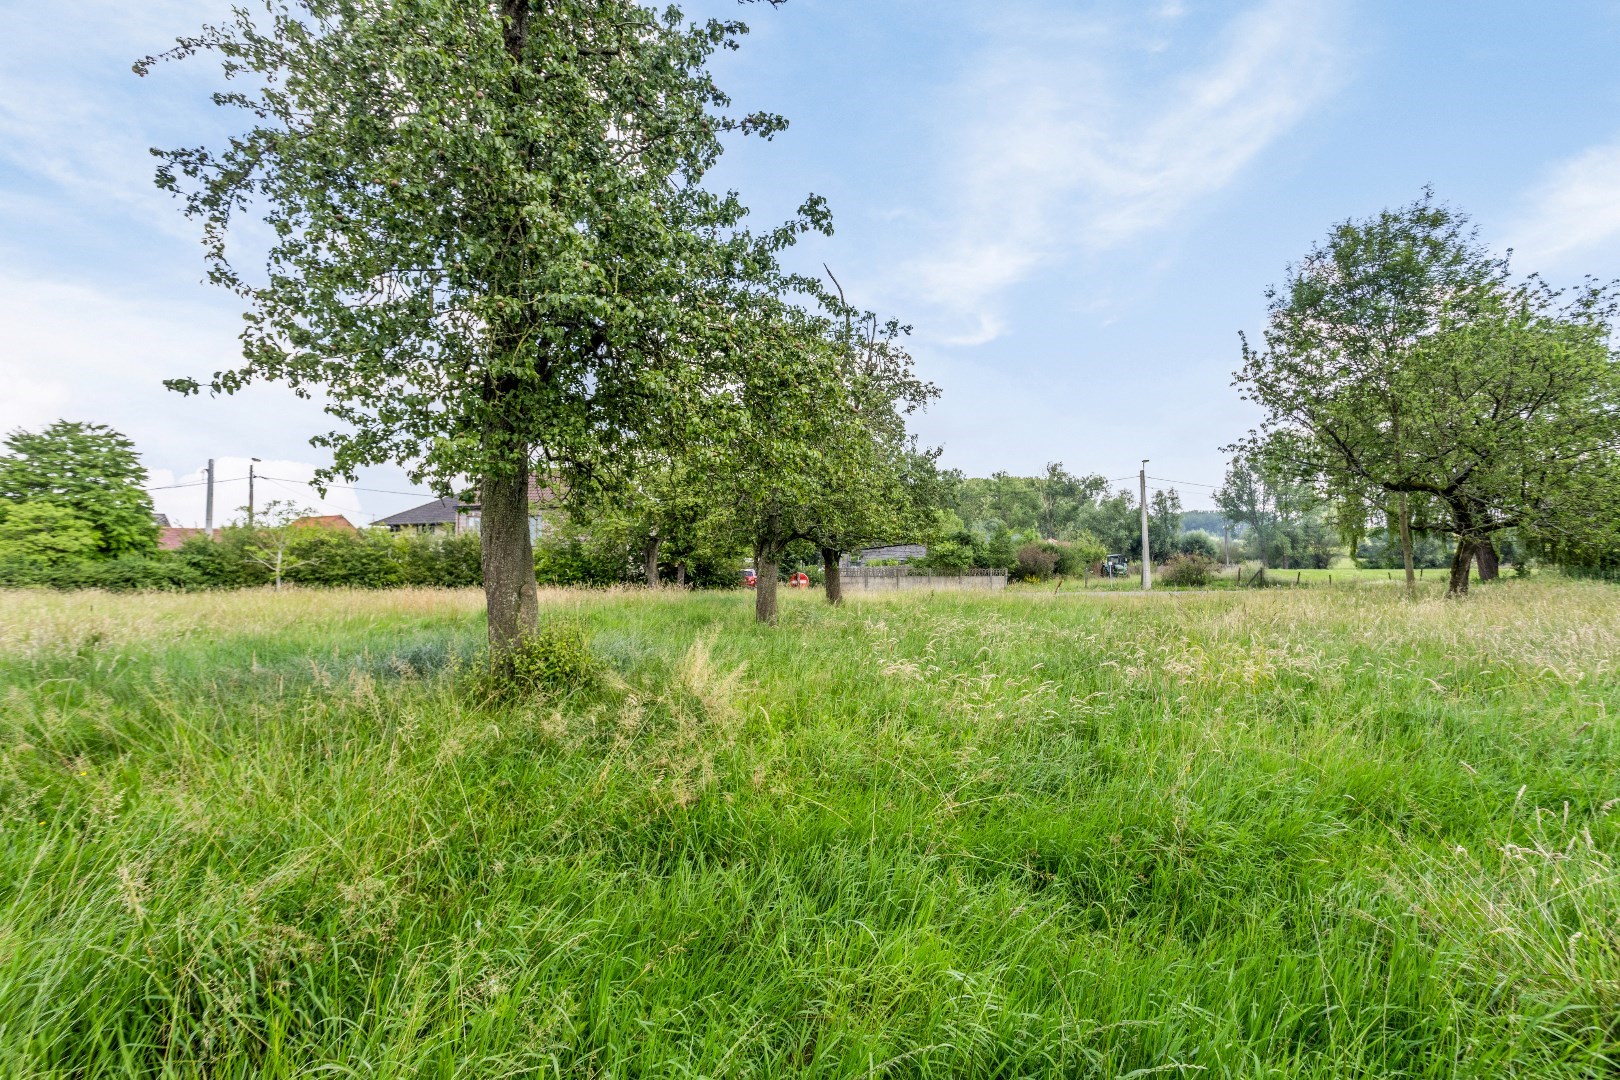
749,580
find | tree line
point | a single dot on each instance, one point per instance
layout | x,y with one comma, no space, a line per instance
495,253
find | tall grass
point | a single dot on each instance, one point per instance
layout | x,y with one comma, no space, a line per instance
1278,834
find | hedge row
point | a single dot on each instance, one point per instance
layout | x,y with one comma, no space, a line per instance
367,560
372,559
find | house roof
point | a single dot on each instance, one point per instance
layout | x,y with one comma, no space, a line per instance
170,537
538,496
161,520
438,512
325,521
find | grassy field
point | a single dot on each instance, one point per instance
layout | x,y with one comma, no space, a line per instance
1429,581
1288,833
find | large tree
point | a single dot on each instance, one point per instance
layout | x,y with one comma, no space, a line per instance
491,249
1401,360
89,471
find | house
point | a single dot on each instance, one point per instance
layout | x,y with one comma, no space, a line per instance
453,515
324,521
436,516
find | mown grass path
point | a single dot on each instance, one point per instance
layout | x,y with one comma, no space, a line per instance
1295,833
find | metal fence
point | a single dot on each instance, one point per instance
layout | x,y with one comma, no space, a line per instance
902,578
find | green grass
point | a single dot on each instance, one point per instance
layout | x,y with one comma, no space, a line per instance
1430,581
1282,833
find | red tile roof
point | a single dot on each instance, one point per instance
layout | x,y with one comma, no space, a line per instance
325,521
170,537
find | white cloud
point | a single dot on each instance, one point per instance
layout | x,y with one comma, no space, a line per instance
76,352
1573,210
1071,141
75,117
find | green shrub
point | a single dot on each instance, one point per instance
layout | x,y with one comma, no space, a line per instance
1080,553
1192,570
557,658
1037,561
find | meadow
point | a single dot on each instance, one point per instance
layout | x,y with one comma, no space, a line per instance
1284,833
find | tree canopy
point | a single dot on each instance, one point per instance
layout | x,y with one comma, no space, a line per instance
88,472
492,248
1401,360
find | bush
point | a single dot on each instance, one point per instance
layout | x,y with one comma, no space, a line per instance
1192,570
1197,542
555,659
1037,561
1079,554
123,574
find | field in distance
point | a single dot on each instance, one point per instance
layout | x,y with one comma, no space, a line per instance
1275,833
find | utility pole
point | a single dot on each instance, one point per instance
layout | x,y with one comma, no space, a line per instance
1226,543
208,520
251,463
1147,556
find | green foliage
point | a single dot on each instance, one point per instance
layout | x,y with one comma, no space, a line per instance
1188,569
555,659
1382,549
1401,359
1198,542
86,474
1080,553
1283,520
315,557
45,533
570,557
944,836
1037,560
491,238
1164,523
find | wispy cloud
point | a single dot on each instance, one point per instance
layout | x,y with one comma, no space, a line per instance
1572,211
75,122
1079,134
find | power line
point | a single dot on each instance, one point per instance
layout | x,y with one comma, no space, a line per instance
350,487
194,483
1183,483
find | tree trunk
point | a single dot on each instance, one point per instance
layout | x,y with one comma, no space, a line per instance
649,559
834,577
1461,562
509,591
765,575
1490,565
1406,545
680,574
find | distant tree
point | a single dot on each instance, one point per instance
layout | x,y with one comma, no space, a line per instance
877,486
88,470
273,537
1198,542
1255,497
1164,522
1401,361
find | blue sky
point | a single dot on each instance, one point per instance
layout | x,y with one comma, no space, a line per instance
1078,206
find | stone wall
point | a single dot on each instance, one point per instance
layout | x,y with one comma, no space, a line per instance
905,578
